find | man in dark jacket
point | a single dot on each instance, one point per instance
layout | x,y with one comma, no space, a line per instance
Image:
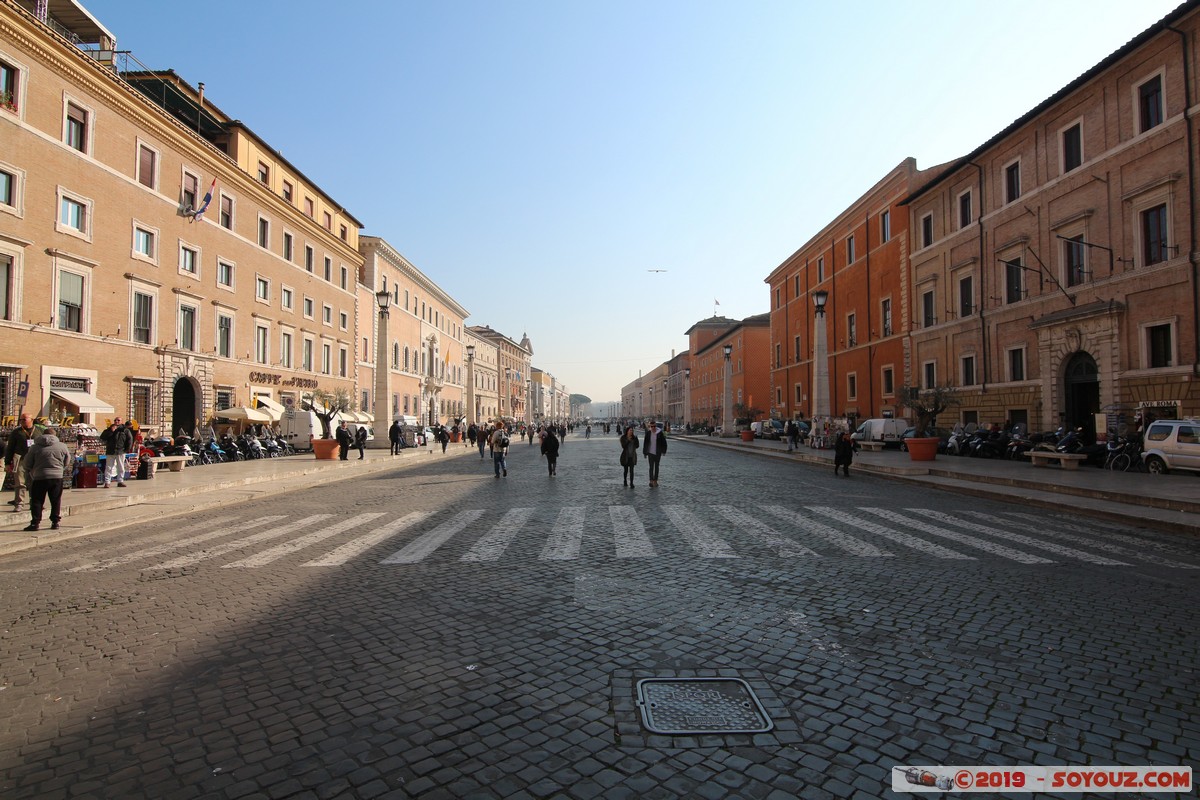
843,453
46,462
345,440
550,451
18,445
654,447
395,434
118,440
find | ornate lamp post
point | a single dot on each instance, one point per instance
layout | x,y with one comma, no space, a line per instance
382,394
687,396
727,400
472,413
820,382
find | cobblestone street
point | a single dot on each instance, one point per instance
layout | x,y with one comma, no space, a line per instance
440,633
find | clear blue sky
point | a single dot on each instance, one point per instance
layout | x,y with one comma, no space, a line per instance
536,159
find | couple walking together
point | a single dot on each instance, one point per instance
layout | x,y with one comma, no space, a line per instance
654,447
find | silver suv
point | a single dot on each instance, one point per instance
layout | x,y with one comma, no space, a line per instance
1172,444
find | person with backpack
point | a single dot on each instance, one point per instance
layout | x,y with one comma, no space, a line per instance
499,442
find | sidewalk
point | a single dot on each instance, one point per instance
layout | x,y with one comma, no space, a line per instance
1168,502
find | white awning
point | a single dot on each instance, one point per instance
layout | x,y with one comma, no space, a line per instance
86,403
241,412
272,407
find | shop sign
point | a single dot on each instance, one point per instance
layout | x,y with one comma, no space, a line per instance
276,379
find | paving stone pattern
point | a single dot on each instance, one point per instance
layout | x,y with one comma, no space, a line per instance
180,674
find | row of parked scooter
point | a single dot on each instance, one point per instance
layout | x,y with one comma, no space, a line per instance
1118,453
243,447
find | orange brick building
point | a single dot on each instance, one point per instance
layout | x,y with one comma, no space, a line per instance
750,340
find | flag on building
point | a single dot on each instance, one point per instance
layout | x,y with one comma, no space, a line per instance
204,203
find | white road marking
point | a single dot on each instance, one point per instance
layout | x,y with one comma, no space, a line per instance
566,539
629,534
706,543
229,547
1019,538
496,541
764,533
362,544
888,533
835,537
295,545
962,538
420,548
1061,531
169,547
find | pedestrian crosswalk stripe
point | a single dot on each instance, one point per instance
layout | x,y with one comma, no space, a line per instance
706,543
629,534
1096,533
899,537
1064,531
308,540
239,544
362,544
566,538
962,538
1019,538
835,537
422,546
496,541
158,550
785,547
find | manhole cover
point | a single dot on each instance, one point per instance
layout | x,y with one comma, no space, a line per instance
685,707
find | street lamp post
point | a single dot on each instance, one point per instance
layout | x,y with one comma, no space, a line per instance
383,394
820,382
473,415
727,400
687,397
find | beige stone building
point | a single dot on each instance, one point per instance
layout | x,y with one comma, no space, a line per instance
514,360
482,375
119,297
1054,268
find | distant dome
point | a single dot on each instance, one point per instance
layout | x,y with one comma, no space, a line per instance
526,344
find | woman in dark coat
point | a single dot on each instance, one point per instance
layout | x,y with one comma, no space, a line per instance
843,453
629,455
550,450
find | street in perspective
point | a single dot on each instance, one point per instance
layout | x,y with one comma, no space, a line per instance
751,627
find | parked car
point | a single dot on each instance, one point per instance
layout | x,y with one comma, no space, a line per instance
1172,444
943,436
880,430
767,429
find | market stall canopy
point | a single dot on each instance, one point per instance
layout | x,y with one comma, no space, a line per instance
243,413
272,407
86,403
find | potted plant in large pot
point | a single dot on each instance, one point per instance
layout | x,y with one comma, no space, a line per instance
743,416
926,404
326,405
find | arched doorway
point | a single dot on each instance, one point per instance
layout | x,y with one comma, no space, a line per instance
185,411
1081,384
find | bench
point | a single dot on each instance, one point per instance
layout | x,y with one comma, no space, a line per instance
174,463
872,446
1039,458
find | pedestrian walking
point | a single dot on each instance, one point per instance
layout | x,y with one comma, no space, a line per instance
117,442
19,442
46,463
793,435
654,448
395,434
629,454
499,444
482,439
360,441
345,440
843,453
550,451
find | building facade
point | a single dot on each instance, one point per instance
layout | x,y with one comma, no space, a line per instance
483,398
514,360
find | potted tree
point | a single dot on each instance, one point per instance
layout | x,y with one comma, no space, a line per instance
926,404
326,405
743,416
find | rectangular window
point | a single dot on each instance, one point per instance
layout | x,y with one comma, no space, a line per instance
345,277
189,260
285,295
143,317
70,302
262,289
308,258
796,344
143,242
187,328
885,226
308,207
968,370
191,187
885,308
139,395
9,87
1154,234
852,386
306,356
77,127
821,269
326,359
1075,260
345,320
327,220
264,233
329,269
308,307
851,330
287,246
1016,365
343,233
1014,281
889,382
327,314
287,191
225,336
796,286
1012,182
8,188
778,355
1072,147
343,363
6,289
73,214
928,314
850,250
1150,103
147,167
927,230
929,375
224,274
285,350
261,353
965,212
1159,345
264,174
226,217
966,296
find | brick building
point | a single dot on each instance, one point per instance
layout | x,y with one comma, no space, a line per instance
750,342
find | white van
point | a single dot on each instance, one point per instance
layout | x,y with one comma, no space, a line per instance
888,431
299,427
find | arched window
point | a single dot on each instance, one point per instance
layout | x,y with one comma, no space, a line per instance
395,355
406,358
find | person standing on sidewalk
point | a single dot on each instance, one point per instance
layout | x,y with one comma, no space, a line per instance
793,435
550,451
629,453
654,448
46,462
394,434
843,453
117,442
345,441
499,443
443,436
360,441
18,445
481,439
